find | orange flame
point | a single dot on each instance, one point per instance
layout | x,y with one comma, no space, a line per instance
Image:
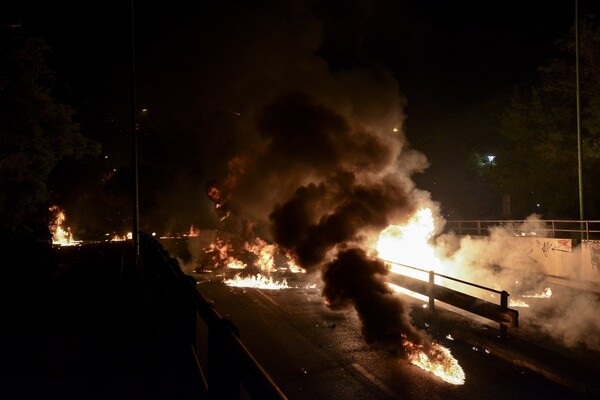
545,294
265,255
61,235
194,232
256,281
264,260
409,244
118,238
438,361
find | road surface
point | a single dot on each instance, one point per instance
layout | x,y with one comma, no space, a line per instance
315,353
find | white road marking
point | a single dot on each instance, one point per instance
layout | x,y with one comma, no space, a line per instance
373,379
267,297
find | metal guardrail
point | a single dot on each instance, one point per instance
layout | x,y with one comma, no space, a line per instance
499,313
229,363
553,228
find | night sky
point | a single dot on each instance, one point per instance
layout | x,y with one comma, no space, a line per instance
206,71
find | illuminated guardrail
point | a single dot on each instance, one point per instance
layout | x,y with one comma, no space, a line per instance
499,313
229,363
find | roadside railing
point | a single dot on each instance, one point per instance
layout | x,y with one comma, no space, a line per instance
554,228
229,364
499,313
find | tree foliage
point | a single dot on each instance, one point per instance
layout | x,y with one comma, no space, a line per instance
37,131
537,163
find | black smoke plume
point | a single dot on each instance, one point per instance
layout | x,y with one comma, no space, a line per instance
353,279
328,166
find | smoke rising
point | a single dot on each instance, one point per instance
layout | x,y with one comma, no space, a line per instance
353,279
327,162
520,258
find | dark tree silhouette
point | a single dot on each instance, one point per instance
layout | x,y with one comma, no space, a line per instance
537,161
37,131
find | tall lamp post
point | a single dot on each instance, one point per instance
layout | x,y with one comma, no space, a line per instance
134,131
579,149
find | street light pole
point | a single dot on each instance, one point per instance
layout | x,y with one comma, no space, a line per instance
579,147
134,131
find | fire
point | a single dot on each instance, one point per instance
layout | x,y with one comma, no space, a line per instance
438,360
194,232
61,235
258,281
294,267
221,248
264,261
409,245
265,255
545,294
118,238
517,303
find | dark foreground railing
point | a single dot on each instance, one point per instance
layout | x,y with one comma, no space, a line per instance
499,313
229,364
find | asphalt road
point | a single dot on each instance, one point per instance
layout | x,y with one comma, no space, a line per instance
312,352
75,326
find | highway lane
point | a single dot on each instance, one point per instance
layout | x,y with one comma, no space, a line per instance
313,352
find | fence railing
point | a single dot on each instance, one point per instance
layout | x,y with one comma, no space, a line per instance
554,228
499,313
229,363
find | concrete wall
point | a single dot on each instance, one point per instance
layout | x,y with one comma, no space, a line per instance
558,257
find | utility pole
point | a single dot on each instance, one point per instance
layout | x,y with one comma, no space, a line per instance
579,147
134,132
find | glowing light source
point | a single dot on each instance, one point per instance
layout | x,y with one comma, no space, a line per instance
409,244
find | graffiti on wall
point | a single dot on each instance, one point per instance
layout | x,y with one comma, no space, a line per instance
549,245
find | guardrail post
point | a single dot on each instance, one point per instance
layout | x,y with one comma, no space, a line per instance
504,305
431,290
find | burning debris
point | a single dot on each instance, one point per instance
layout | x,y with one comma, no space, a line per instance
61,234
438,360
256,281
326,175
256,263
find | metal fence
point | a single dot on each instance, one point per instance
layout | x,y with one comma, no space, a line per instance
229,364
499,313
554,228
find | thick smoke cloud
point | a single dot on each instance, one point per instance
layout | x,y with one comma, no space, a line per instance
347,210
353,279
326,164
309,153
503,260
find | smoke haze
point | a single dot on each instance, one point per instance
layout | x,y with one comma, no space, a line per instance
505,260
321,169
327,164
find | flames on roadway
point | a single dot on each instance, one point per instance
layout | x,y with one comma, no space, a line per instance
316,178
383,314
320,188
